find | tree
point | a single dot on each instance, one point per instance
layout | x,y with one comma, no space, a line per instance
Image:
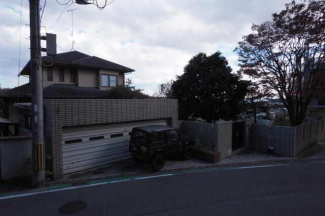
257,97
209,90
287,54
126,92
165,90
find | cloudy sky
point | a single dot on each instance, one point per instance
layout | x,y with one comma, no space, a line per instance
155,37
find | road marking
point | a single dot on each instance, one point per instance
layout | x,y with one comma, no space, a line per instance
256,167
112,181
83,186
157,176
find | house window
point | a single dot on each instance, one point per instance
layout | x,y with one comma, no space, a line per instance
73,75
28,122
112,81
108,80
50,74
61,74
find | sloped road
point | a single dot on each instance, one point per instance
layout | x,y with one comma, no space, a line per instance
295,189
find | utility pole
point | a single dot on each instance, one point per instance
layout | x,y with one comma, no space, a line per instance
37,95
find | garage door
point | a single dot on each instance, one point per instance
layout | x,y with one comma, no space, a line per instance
94,146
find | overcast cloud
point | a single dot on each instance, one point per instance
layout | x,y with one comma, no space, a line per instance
155,37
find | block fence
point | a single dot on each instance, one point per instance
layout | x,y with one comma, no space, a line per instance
288,141
212,137
60,113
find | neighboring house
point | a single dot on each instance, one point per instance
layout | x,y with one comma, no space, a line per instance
317,105
66,75
79,69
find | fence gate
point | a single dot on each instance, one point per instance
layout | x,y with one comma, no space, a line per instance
238,135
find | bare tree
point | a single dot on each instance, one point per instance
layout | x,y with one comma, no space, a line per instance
287,54
164,90
257,98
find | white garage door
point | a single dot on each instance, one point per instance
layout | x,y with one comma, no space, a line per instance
94,146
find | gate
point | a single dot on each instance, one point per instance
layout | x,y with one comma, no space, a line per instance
238,135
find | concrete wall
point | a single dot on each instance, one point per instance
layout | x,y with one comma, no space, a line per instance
288,141
212,137
82,112
282,139
321,131
15,157
309,134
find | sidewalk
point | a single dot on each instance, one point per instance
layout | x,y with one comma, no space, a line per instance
315,152
128,168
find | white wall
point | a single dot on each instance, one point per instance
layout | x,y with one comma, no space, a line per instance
88,78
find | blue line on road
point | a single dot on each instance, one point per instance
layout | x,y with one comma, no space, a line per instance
65,187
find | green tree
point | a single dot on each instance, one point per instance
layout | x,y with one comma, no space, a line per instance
127,92
209,90
287,54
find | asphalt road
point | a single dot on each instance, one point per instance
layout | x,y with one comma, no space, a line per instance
297,189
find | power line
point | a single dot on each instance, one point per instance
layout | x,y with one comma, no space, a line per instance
65,8
43,9
100,7
65,3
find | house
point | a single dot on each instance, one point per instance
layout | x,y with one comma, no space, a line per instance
66,75
82,70
83,128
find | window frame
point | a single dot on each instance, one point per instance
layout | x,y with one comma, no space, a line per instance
50,74
109,80
73,75
61,74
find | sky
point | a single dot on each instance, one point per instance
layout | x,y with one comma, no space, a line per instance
156,38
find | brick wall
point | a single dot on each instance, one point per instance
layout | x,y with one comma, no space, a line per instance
61,113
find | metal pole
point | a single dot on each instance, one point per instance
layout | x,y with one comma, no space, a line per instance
37,95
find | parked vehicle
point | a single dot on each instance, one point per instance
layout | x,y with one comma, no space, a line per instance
155,143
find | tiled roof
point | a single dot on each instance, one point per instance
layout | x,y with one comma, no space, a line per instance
78,59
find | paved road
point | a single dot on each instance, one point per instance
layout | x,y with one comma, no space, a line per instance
297,189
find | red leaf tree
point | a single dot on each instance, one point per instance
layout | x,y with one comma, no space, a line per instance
287,54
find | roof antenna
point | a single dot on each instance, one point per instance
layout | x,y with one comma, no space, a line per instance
73,42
